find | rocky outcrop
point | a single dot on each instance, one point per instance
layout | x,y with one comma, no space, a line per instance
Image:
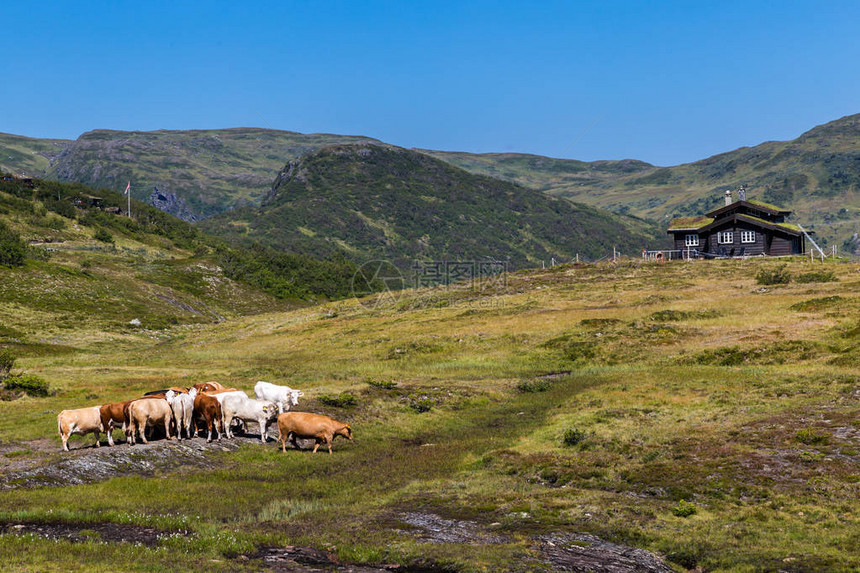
170,203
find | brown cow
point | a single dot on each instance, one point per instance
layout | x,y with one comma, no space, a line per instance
81,421
208,409
143,411
292,425
208,386
176,389
113,416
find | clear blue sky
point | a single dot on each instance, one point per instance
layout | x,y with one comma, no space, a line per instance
666,82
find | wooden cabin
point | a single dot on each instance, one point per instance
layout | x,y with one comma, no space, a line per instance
739,228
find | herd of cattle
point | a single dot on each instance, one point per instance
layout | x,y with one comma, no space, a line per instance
205,405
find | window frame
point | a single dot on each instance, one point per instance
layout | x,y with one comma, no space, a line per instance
748,236
721,237
691,240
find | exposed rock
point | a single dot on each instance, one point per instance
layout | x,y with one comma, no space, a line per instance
170,203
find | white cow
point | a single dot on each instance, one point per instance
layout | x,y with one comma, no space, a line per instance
81,421
284,396
247,410
183,410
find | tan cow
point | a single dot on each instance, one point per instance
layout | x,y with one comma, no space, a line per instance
144,411
208,386
81,421
292,425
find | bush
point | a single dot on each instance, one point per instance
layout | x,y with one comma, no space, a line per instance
775,276
103,236
12,248
816,277
421,404
382,384
27,383
810,437
7,361
573,436
529,386
343,400
684,509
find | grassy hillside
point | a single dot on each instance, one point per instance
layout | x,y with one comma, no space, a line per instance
27,155
92,270
382,202
817,175
496,430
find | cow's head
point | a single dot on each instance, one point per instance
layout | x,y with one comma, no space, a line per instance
270,410
346,432
170,396
293,398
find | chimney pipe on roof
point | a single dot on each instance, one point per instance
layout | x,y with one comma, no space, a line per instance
728,196
742,193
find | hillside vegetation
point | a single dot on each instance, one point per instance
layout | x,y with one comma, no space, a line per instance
494,427
382,202
82,268
816,175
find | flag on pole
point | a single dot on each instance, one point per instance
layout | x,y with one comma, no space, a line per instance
127,187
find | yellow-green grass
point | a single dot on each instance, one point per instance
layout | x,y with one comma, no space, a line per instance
688,381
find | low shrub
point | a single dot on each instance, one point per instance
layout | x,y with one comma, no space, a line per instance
30,384
103,236
12,248
684,509
810,437
342,400
7,361
573,436
814,304
382,384
778,275
421,404
816,277
529,386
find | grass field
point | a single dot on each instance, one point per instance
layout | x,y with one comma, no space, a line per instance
679,408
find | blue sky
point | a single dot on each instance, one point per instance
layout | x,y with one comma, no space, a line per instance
665,82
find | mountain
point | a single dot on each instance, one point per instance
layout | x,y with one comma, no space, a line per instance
212,171
816,175
209,170
384,202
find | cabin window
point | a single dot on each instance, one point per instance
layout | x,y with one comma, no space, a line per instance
747,236
726,238
691,240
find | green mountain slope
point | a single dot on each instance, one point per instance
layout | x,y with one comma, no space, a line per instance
816,175
29,156
384,202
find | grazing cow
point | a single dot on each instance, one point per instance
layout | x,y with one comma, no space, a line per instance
183,411
208,409
144,411
208,386
248,410
284,396
112,416
292,425
81,421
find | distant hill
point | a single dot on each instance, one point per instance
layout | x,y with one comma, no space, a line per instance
816,175
212,171
209,170
377,201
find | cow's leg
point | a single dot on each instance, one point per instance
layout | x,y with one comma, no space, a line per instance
65,439
317,445
98,442
143,431
228,421
110,433
263,427
209,427
167,421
